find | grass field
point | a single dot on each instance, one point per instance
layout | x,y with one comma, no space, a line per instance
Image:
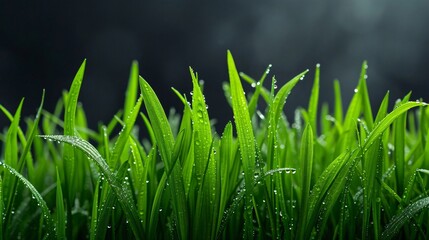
330,173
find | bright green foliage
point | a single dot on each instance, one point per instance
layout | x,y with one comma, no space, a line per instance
322,176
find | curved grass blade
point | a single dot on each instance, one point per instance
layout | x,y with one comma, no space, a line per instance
124,134
258,88
27,143
122,194
50,227
276,109
403,217
246,140
383,124
321,187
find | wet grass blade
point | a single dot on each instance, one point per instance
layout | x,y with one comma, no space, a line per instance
124,197
165,142
132,90
388,120
124,134
366,103
314,100
11,159
69,168
246,140
46,214
306,166
338,103
204,162
403,217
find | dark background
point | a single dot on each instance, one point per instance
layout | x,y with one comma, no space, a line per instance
43,44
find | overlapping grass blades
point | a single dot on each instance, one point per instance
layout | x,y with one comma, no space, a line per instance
266,176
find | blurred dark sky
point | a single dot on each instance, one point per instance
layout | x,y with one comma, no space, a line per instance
42,45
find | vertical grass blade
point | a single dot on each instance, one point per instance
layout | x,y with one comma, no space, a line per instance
338,113
246,140
314,100
61,216
165,142
94,214
306,163
69,130
204,161
132,90
366,103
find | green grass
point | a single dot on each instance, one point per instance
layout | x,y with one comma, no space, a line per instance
337,173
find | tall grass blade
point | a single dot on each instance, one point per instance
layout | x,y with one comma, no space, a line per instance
306,166
132,90
165,142
246,140
94,214
204,162
69,130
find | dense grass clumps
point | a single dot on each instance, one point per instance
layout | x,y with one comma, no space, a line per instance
338,173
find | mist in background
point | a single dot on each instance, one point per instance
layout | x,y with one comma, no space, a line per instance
43,44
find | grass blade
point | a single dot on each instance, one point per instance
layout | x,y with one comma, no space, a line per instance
307,146
314,100
403,217
50,228
124,197
69,130
165,141
61,216
124,134
132,90
246,140
383,124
